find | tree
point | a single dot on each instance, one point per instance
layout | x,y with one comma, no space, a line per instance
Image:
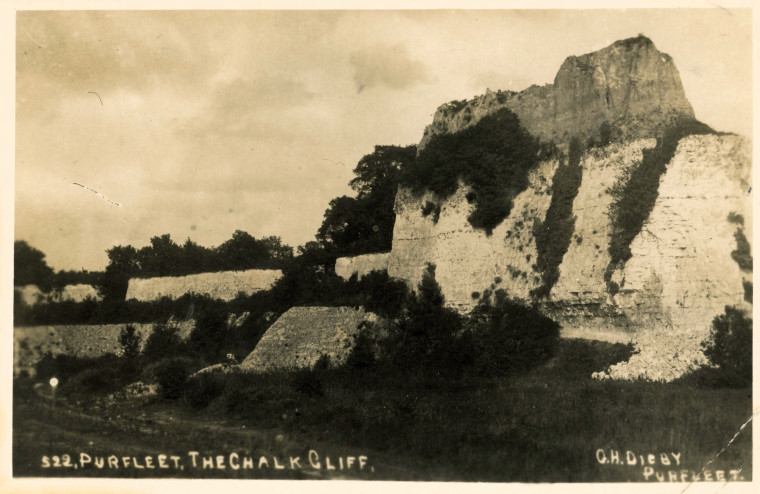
244,251
122,265
129,339
365,223
730,347
30,268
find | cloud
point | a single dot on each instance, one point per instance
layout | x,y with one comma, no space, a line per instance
389,66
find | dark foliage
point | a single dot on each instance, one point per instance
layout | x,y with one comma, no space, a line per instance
492,157
362,354
747,291
730,347
30,267
129,339
554,234
509,337
310,381
379,293
163,341
163,257
171,376
86,375
362,224
201,389
634,196
742,254
425,334
736,218
207,338
434,209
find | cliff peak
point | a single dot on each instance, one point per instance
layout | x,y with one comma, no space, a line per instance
629,84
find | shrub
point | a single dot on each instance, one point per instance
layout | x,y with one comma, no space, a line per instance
493,157
171,375
742,254
310,381
207,338
510,337
426,331
199,390
730,347
129,339
554,234
635,194
736,218
362,354
747,291
163,341
379,293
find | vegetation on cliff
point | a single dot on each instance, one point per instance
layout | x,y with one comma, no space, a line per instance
363,224
635,193
554,234
492,157
729,349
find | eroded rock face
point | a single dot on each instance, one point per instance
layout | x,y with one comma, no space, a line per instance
345,267
680,277
224,285
630,85
303,334
32,343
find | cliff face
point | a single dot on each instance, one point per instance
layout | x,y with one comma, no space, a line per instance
303,334
686,259
681,274
629,84
224,285
32,343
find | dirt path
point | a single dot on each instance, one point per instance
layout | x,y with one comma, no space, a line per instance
42,431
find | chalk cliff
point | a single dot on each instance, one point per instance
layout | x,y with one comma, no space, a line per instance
630,85
224,285
682,272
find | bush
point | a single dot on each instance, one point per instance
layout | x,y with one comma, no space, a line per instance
202,388
493,157
730,347
310,381
426,331
379,293
207,338
171,375
742,254
510,337
362,354
163,341
554,234
81,375
635,194
129,339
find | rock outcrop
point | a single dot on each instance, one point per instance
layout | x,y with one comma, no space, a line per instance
630,85
682,272
32,343
32,295
303,334
224,285
345,267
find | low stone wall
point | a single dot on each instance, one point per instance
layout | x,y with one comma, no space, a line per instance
32,343
345,267
303,334
224,285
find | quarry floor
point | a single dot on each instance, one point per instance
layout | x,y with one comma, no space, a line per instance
553,424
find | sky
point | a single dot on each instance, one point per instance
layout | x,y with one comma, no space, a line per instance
199,123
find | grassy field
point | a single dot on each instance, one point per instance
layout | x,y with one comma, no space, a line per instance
552,424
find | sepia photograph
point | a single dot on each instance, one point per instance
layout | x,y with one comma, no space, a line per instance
453,245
